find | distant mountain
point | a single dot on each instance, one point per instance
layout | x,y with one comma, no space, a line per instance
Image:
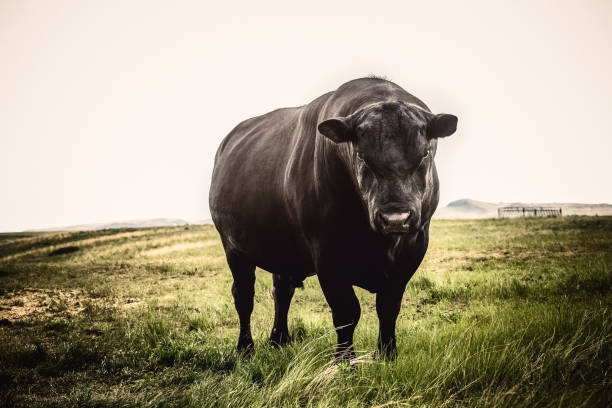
206,221
153,222
464,208
467,208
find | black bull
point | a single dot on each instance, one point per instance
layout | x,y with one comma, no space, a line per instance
343,188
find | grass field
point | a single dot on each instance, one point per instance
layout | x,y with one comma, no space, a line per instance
502,313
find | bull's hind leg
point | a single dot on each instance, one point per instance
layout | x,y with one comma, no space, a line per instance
283,292
243,291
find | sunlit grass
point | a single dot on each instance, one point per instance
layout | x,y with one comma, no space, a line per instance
502,313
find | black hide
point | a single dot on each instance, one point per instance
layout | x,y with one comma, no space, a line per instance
343,187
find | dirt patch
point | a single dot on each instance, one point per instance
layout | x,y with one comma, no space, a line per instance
40,303
48,303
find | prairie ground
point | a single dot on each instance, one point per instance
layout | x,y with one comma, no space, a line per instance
502,313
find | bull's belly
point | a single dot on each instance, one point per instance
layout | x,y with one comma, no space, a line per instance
295,262
277,248
363,275
270,247
367,270
278,251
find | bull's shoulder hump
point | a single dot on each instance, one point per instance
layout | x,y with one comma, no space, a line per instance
360,92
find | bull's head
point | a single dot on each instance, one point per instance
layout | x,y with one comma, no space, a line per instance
393,147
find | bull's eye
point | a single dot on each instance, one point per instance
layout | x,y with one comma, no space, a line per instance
425,156
362,162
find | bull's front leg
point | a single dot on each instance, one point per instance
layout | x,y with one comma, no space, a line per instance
389,298
388,304
345,312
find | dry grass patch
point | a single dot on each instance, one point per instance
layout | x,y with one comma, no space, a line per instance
184,246
80,243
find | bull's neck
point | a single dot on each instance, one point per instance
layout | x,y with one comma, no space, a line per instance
334,167
346,154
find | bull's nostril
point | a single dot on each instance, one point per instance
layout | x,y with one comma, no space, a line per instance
383,219
406,217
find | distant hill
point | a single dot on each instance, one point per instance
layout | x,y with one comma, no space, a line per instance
464,208
467,208
206,221
153,222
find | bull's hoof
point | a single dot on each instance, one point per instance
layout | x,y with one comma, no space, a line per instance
388,353
246,346
344,354
279,339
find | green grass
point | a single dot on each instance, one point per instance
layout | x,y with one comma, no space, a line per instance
502,313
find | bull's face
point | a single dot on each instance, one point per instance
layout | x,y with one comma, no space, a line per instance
393,146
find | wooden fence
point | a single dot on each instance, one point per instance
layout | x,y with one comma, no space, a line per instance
512,212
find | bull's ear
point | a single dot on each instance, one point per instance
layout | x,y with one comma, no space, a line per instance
337,129
441,125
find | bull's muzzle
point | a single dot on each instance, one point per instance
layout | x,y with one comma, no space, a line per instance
394,223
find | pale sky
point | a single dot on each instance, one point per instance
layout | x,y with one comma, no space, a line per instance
113,110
